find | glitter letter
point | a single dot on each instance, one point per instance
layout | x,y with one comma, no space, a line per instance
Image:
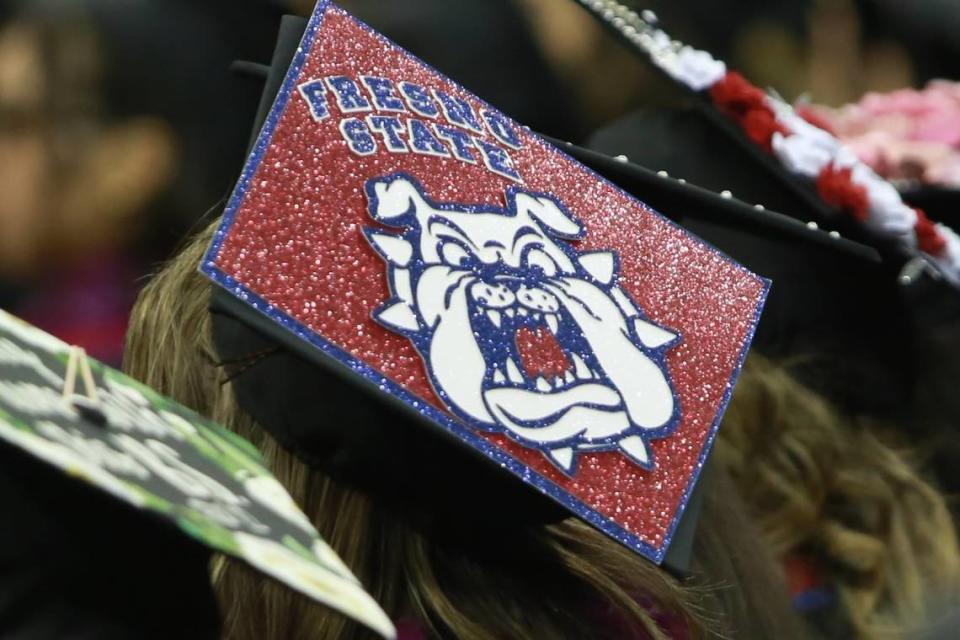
459,141
388,128
358,137
423,141
500,127
348,95
498,160
419,100
458,112
383,92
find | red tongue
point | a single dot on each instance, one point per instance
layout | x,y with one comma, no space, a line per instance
540,353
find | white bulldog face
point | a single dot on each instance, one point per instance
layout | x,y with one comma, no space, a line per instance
519,332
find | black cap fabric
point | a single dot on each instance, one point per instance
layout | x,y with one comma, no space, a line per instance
346,428
73,563
940,203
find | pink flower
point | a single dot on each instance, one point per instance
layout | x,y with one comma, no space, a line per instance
905,135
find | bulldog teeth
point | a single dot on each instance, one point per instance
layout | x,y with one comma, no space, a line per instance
558,382
494,317
570,378
521,311
498,377
583,371
510,312
513,372
542,384
553,322
536,316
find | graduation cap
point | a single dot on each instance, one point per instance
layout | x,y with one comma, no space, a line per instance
832,301
810,171
97,425
425,298
881,341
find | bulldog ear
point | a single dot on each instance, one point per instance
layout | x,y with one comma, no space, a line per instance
398,316
653,336
393,198
563,458
394,249
636,449
601,265
549,213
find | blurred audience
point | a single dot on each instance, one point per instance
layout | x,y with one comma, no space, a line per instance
909,136
120,126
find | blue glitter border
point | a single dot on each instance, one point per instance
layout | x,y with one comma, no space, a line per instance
444,420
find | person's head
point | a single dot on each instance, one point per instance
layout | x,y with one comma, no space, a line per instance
466,578
118,122
76,175
829,489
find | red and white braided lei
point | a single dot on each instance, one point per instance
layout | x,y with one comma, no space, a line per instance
814,154
803,148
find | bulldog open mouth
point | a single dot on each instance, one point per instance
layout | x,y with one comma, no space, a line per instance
519,332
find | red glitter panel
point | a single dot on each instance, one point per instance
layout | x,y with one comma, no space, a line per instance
294,237
541,353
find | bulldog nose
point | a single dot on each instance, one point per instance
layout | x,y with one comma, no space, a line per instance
495,296
537,299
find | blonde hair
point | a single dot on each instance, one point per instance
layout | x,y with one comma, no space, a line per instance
830,488
539,583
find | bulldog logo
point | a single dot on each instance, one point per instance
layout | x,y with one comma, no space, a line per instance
520,333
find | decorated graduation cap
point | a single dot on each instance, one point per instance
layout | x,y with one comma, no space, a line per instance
738,141
99,426
479,304
813,176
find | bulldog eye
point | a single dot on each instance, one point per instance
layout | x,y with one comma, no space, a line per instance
454,255
539,259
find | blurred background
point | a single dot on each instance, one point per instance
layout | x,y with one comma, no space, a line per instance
121,126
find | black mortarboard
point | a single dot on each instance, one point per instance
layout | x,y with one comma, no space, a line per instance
941,203
770,152
834,300
380,138
882,338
